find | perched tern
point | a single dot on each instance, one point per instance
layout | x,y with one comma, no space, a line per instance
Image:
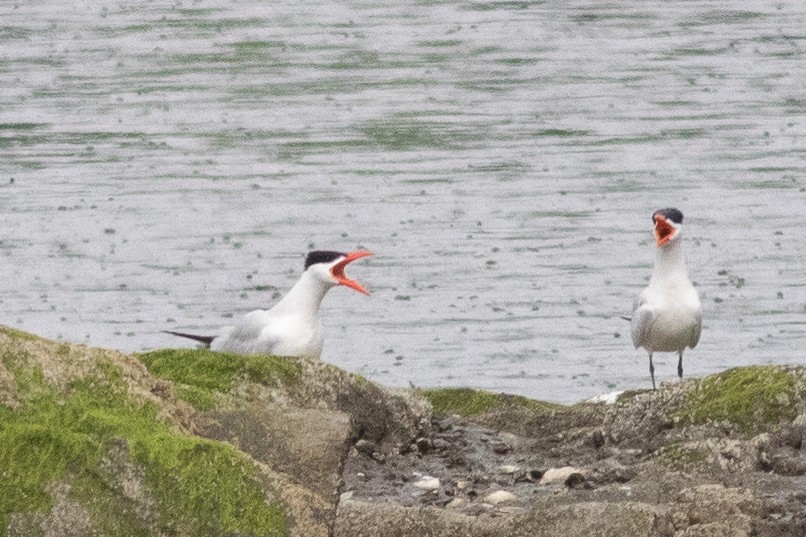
292,327
667,315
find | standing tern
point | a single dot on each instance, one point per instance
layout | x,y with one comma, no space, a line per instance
292,327
667,315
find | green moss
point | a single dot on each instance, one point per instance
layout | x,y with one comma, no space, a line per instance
198,486
204,372
750,397
198,398
470,402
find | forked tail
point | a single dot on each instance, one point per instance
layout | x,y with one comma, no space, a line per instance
206,340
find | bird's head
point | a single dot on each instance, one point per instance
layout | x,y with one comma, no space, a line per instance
668,225
329,267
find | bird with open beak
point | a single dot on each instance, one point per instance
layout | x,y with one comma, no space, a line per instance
667,314
292,327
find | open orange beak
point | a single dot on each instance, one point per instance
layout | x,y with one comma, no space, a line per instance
664,231
338,270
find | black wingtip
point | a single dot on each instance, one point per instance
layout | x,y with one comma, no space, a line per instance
201,339
626,318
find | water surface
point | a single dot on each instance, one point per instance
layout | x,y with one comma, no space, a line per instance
166,165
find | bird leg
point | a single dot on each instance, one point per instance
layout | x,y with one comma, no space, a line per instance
680,366
652,370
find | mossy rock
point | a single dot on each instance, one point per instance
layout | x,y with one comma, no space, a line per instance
468,402
682,457
88,445
224,381
13,333
512,413
201,374
751,398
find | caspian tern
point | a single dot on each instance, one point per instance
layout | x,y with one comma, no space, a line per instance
292,327
667,315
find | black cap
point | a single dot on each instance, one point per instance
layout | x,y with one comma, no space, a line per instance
321,256
670,214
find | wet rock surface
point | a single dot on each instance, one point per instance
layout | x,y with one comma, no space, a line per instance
322,452
652,464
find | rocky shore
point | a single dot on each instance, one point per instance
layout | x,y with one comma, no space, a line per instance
187,442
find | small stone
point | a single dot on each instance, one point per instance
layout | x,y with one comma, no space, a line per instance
378,457
366,447
427,482
346,496
461,485
576,481
501,448
595,440
559,475
508,469
456,503
500,496
536,475
440,444
423,444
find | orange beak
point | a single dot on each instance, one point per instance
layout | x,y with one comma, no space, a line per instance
338,270
664,231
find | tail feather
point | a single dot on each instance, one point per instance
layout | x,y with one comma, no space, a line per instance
206,340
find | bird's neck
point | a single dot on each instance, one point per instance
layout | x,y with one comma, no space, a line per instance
669,262
305,297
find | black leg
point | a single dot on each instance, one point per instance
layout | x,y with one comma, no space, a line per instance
680,366
652,370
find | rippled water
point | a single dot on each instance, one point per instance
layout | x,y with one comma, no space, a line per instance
168,164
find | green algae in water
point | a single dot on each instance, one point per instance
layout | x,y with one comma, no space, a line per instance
750,397
198,486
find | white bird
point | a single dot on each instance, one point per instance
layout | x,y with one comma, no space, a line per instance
292,327
667,315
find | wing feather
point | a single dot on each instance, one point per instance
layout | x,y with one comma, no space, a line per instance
696,331
641,322
249,336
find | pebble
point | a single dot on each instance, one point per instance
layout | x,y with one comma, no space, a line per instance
508,469
456,503
555,475
366,447
427,482
500,496
346,496
501,448
440,444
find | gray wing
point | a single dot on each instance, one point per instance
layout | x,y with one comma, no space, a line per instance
641,323
696,331
246,337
